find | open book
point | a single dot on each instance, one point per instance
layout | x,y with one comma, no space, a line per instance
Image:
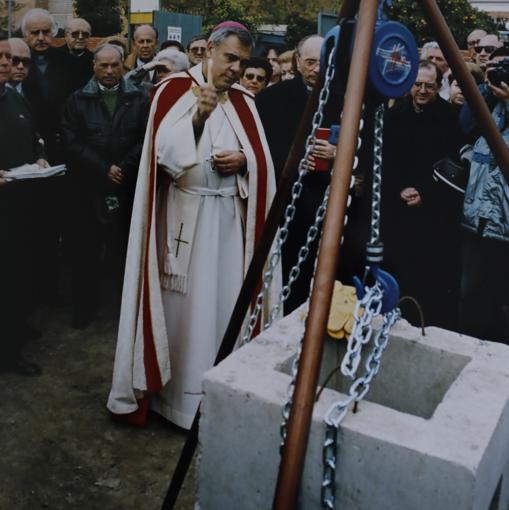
33,171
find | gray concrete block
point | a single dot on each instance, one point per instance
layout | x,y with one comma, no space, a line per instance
433,433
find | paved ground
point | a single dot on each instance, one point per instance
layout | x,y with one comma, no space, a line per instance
59,448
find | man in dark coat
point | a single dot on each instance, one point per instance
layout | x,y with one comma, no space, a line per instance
19,144
46,88
281,107
103,128
420,218
79,59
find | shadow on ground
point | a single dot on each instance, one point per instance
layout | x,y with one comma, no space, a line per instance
59,448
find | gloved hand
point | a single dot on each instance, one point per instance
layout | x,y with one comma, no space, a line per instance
341,316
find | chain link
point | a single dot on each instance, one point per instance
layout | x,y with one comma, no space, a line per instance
297,188
295,364
337,412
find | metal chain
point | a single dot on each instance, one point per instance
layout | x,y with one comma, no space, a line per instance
375,248
295,364
297,188
337,412
365,311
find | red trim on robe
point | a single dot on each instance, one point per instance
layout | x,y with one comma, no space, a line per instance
249,124
166,100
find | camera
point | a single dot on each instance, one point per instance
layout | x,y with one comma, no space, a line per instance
499,72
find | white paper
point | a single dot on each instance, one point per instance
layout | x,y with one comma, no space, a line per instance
33,171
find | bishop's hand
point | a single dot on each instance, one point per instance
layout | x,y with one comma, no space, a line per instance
206,102
229,162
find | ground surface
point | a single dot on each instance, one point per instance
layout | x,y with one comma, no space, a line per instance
59,448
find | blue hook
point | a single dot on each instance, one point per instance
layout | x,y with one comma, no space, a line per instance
389,286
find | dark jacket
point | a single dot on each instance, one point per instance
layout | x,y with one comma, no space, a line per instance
47,93
81,67
94,140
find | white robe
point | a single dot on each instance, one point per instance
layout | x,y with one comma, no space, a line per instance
197,319
179,298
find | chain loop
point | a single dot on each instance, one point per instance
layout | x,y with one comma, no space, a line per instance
282,235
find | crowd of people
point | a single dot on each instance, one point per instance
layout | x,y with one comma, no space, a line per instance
173,155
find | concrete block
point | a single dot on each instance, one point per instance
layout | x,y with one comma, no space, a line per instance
433,433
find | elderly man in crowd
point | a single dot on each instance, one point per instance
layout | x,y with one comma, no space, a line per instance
145,42
487,45
19,144
21,62
280,108
47,86
256,74
421,225
196,49
167,61
473,39
431,51
79,57
103,127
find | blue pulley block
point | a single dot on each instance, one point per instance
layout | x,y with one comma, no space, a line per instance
394,60
331,41
389,286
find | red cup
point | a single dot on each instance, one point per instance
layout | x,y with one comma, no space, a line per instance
322,164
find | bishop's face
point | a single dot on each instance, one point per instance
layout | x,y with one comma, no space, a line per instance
227,60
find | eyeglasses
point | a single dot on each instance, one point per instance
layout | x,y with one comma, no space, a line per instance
487,49
252,76
16,61
311,62
426,85
7,56
80,33
197,50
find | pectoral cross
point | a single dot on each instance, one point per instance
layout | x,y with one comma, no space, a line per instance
180,240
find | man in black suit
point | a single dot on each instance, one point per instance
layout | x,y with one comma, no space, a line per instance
281,107
47,86
79,58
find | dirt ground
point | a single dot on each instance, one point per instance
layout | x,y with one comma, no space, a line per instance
59,448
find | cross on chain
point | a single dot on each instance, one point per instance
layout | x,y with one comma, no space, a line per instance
180,240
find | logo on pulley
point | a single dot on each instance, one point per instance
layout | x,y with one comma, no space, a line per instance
393,61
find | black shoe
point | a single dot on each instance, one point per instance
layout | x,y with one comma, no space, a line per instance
25,368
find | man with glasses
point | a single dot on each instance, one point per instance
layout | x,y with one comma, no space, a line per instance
281,107
421,225
487,45
19,144
196,49
256,74
473,39
79,57
21,61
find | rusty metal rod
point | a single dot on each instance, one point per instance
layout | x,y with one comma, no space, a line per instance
467,83
292,461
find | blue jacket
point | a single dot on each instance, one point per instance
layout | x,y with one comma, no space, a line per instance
486,205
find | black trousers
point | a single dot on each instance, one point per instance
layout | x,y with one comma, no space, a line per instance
484,299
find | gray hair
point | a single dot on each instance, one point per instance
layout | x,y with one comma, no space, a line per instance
175,56
67,30
107,46
34,12
426,47
245,38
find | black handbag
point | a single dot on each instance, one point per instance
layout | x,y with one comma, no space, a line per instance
452,174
